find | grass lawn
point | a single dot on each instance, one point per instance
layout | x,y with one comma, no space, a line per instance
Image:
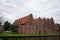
11,34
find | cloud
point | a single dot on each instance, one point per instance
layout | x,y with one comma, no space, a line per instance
13,9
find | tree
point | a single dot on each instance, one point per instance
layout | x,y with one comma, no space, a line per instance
0,23
59,27
14,28
7,26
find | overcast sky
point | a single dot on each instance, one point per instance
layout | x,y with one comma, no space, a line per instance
14,9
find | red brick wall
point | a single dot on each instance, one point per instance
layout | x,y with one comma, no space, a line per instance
37,26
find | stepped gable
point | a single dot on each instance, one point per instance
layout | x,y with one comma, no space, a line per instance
35,22
50,21
43,20
38,20
23,19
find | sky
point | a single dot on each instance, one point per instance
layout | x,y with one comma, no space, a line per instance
14,9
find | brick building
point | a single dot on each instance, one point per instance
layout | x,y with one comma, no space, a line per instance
29,25
1,28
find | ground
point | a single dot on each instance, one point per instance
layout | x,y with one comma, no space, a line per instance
11,34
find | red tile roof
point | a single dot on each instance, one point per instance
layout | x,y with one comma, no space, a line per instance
24,19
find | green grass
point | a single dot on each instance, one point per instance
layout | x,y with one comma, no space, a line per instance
11,34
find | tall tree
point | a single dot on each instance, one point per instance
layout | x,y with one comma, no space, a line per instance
14,28
7,26
0,23
59,27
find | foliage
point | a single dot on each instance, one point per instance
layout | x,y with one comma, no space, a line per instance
58,26
14,28
7,26
0,23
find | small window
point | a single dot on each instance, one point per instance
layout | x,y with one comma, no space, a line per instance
44,31
33,27
57,30
39,32
42,22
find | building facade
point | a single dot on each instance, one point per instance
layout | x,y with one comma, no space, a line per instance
1,28
29,25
